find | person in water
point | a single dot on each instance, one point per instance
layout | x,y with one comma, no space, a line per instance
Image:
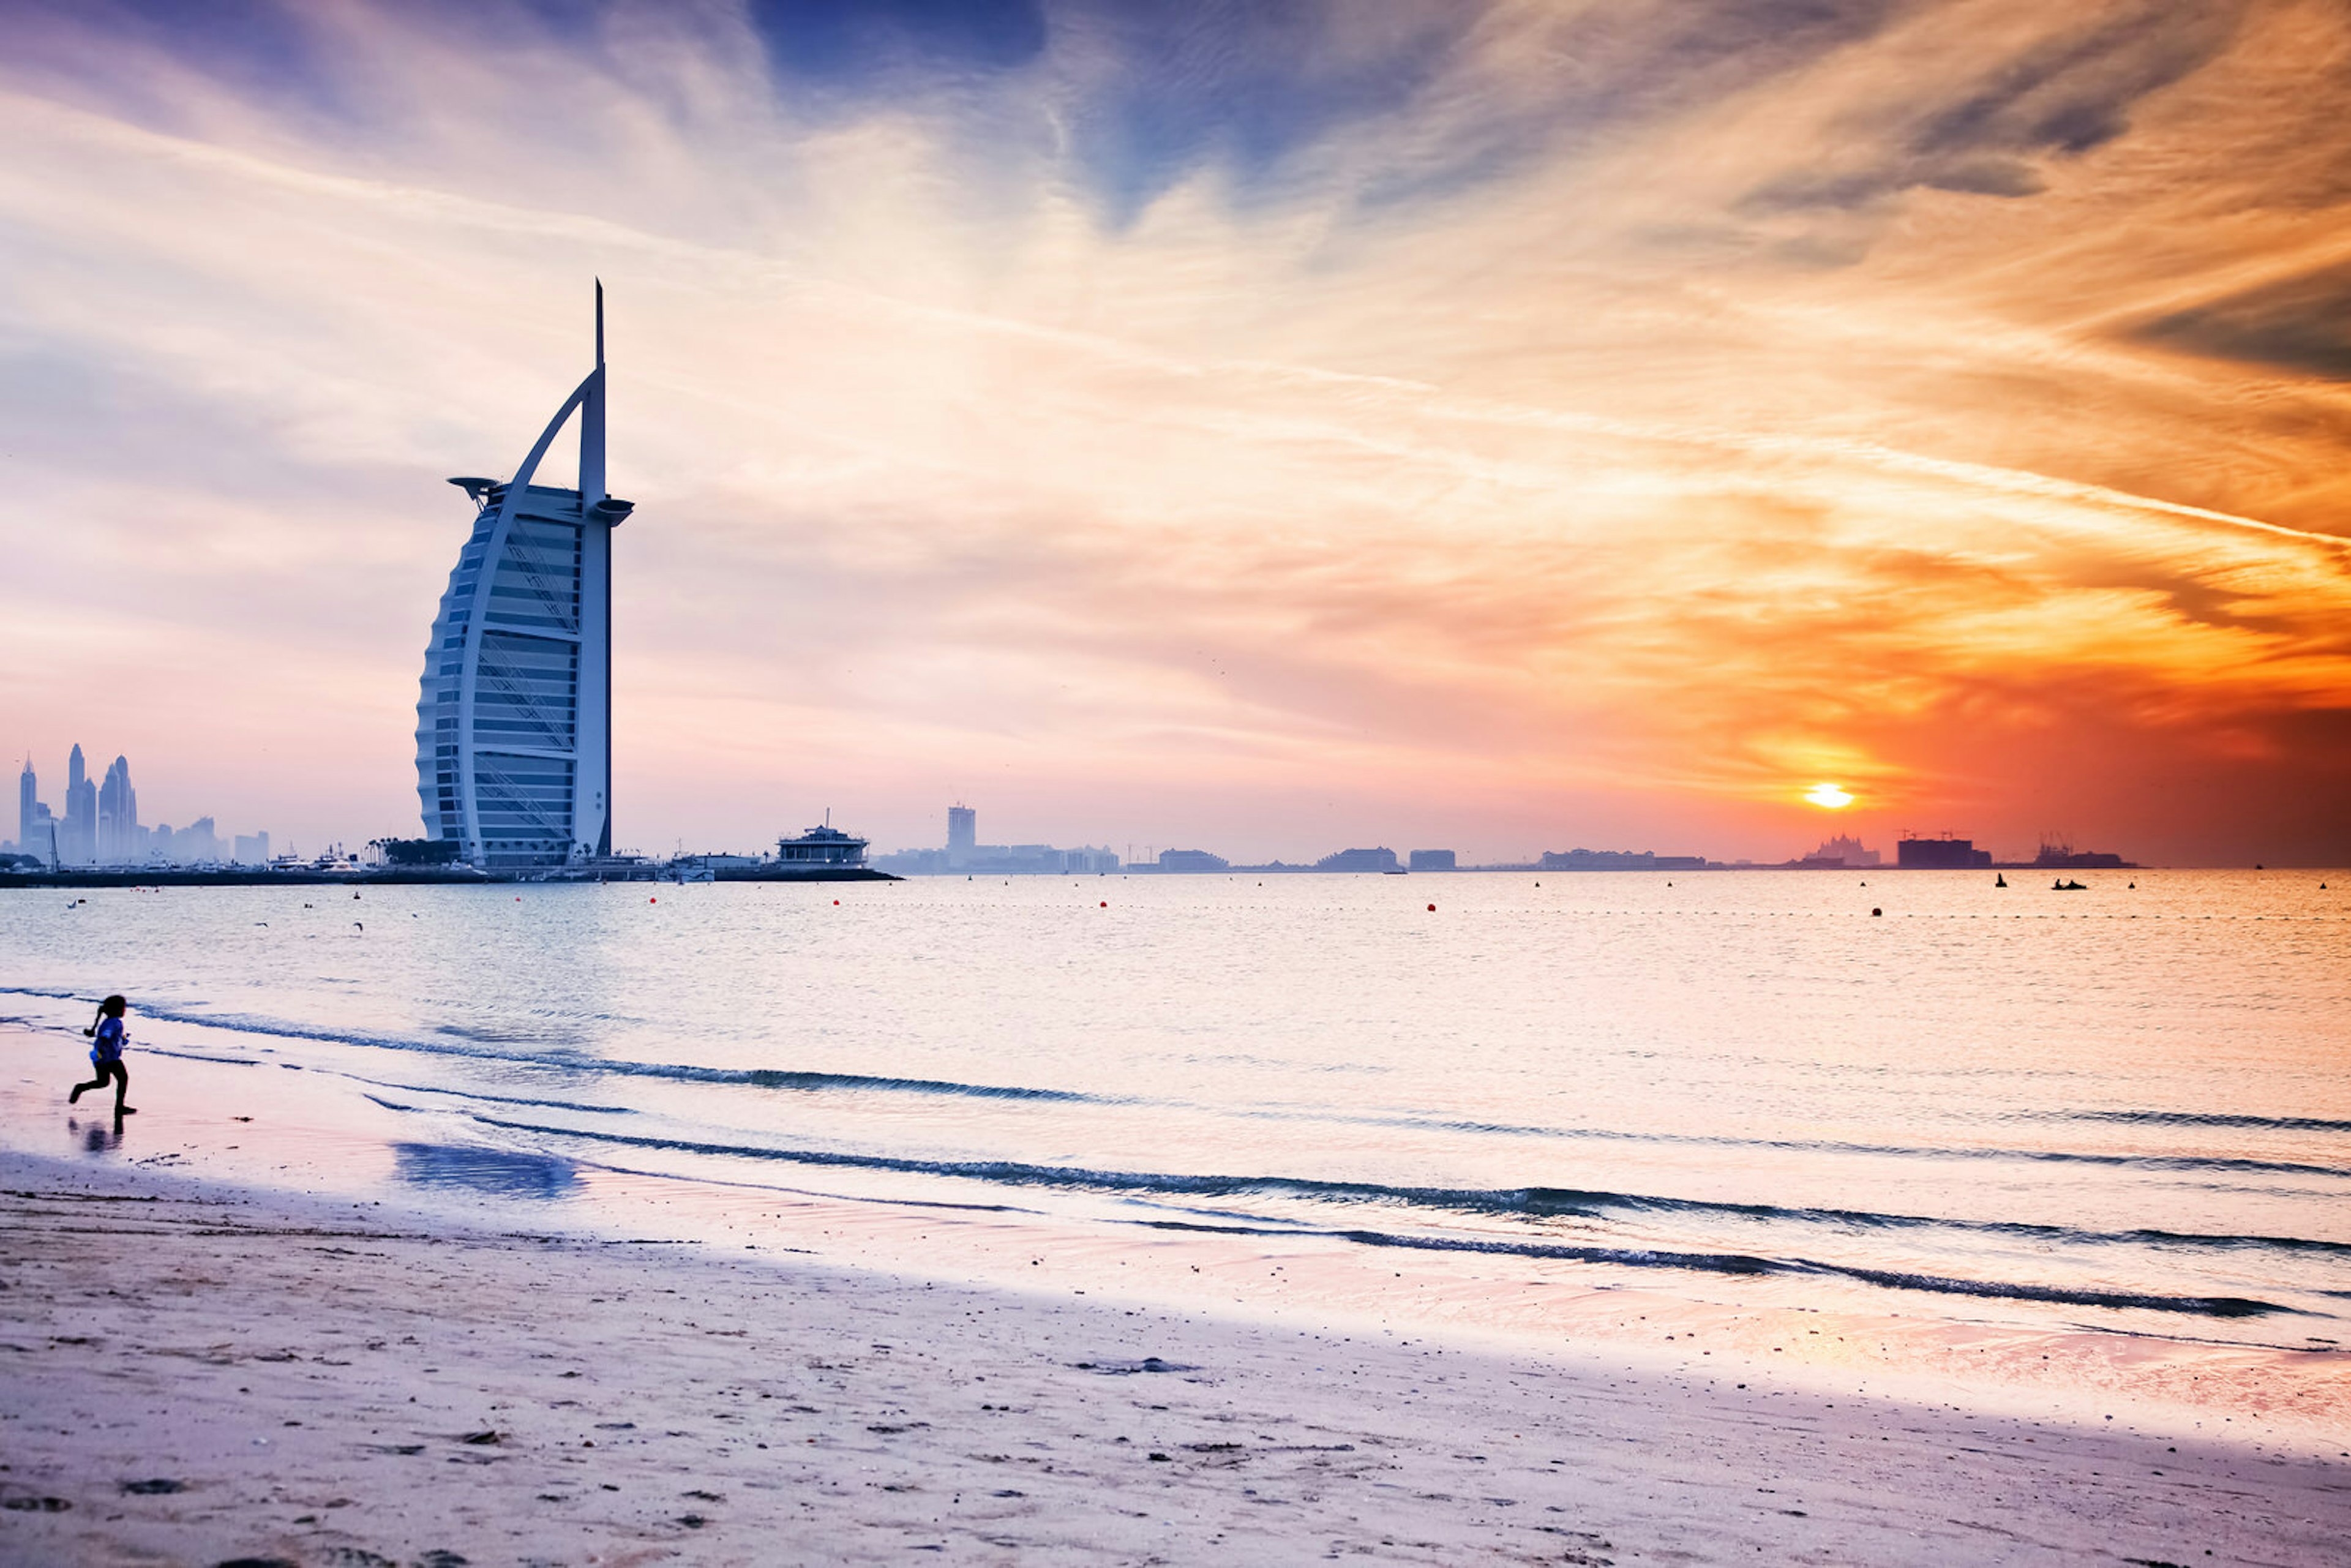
106,1056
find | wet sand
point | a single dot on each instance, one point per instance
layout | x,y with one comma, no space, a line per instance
195,1375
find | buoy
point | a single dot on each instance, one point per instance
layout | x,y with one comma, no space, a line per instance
648,900
1877,912
836,904
1432,909
1105,902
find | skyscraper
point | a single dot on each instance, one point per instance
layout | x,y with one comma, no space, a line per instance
32,818
118,816
514,731
963,830
78,835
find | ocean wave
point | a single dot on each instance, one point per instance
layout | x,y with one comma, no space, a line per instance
199,1056
567,1061
1839,1147
470,1094
810,1082
1527,1202
1571,1201
1892,1279
1017,1173
2208,1119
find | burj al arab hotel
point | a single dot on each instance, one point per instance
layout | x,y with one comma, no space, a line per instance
513,720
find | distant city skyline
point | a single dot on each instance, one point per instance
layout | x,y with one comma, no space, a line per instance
99,824
1280,429
963,854
200,840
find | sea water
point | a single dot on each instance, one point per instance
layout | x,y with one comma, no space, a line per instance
2118,1111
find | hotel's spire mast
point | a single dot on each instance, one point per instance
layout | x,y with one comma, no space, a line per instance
591,417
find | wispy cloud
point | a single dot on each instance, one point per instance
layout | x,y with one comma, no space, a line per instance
1259,426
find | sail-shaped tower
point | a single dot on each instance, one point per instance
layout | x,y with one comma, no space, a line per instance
514,719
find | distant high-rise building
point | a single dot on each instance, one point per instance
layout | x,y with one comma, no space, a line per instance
964,852
513,720
1946,853
78,835
252,849
1843,851
1374,859
196,842
1432,859
2062,854
30,813
118,816
1617,860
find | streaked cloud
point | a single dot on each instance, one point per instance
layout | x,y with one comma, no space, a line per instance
1259,426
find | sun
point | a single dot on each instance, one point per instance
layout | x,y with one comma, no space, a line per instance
1829,797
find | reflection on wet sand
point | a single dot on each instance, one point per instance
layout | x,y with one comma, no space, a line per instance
96,1137
491,1171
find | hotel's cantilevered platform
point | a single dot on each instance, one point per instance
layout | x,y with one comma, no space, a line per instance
514,722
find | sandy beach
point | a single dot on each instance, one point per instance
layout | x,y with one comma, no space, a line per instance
203,1376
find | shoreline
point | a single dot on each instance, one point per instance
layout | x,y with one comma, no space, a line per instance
312,1377
153,877
220,1123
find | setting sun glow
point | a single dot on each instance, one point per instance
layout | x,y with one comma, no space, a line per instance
1829,796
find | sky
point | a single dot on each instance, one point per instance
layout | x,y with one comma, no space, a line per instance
1263,427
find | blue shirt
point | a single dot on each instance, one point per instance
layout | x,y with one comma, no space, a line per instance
109,1041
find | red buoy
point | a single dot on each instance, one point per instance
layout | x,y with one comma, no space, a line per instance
1105,903
836,904
1432,909
653,901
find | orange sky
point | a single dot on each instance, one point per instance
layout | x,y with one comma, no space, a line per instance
1507,428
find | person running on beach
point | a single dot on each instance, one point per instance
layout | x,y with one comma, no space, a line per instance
106,1056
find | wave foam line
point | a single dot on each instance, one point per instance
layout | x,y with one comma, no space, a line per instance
1838,1146
2210,1119
1736,1264
1019,1174
469,1094
812,1083
686,1073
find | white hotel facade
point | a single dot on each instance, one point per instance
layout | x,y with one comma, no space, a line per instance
514,719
